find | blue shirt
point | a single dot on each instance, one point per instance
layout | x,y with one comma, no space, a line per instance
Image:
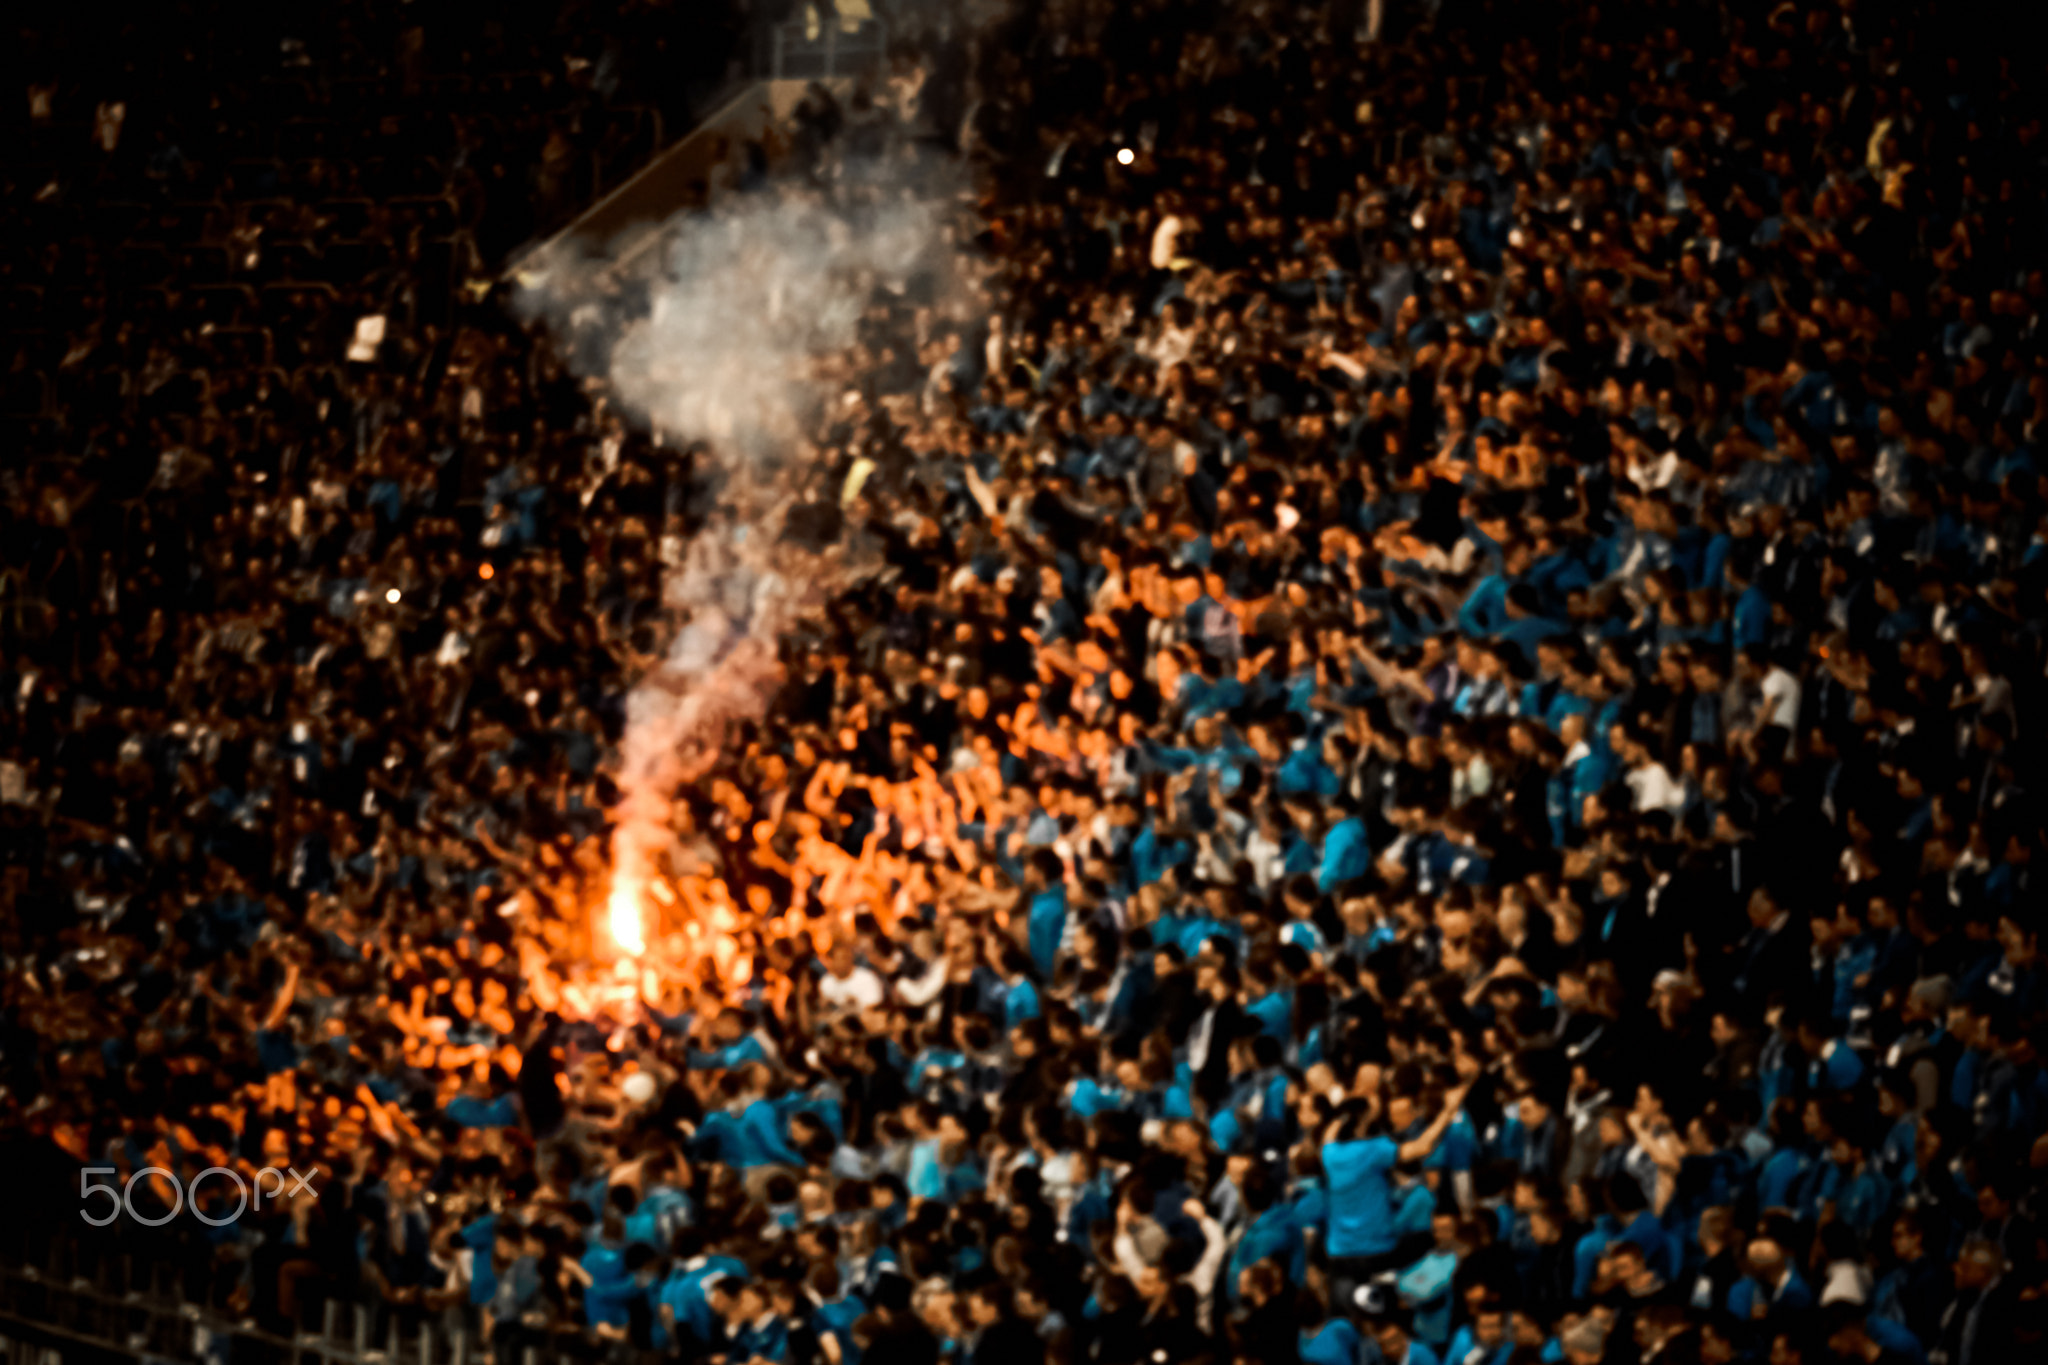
502,1112
479,1237
1792,1296
1647,1233
1304,934
1416,1209
1587,1253
1752,617
1485,610
1274,1012
610,1287
836,1319
760,1140
1304,771
1346,854
1463,1344
1273,1235
1895,1336
1020,1002
766,1337
1781,1171
1336,1342
1048,925
1530,631
929,1178
1838,1066
1361,1207
660,1212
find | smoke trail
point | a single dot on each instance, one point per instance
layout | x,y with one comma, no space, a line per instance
750,297
746,297
720,671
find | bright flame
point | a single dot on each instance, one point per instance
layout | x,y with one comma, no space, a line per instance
626,927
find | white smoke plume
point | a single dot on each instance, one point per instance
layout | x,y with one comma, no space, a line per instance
747,300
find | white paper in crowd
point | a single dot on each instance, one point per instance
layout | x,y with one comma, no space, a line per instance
107,121
369,336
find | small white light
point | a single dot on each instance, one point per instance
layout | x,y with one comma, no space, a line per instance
392,596
1125,156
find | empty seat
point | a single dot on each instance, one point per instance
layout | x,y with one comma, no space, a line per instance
355,95
238,347
301,317
347,217
256,178
274,215
89,391
149,306
353,261
76,305
203,265
25,393
175,225
223,305
24,304
206,220
114,220
141,264
32,349
434,214
280,98
294,260
400,177
282,299
304,137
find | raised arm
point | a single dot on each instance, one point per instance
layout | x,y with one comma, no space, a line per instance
1424,1142
282,1005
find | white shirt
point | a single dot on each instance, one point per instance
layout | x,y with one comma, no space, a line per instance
859,987
1266,857
1653,788
1165,238
1171,347
1198,1040
1781,699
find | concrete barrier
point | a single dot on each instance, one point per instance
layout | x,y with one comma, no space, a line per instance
688,174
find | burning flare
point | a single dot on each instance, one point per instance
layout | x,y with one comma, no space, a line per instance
627,929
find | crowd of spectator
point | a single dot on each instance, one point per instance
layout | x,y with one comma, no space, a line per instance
1434,771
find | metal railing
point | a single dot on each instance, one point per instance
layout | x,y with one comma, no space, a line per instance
827,48
79,1301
